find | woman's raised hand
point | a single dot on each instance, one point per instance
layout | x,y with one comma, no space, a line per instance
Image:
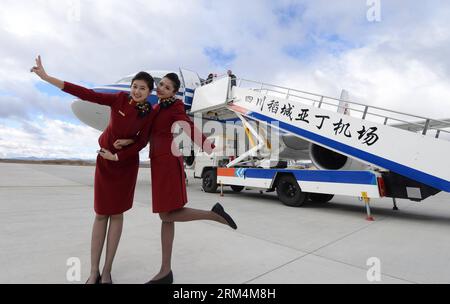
39,69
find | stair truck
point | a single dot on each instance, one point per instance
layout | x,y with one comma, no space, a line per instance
373,154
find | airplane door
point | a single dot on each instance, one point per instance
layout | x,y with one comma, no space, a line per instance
190,80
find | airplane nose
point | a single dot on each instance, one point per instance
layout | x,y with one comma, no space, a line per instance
92,114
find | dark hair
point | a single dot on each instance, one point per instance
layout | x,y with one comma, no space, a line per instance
175,81
145,77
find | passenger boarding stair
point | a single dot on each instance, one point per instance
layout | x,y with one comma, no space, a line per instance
384,138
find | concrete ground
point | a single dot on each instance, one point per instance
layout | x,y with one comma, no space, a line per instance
46,214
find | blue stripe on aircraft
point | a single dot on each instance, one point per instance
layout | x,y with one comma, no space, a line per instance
324,176
188,100
414,174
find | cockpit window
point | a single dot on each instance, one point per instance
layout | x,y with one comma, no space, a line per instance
125,80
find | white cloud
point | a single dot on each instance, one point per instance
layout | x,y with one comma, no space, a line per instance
48,138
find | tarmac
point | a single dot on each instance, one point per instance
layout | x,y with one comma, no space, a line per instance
46,216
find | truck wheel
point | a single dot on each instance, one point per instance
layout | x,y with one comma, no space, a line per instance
237,188
289,192
209,181
320,197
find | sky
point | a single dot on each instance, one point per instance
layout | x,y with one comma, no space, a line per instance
391,54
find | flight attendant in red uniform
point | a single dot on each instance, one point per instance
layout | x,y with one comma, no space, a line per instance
167,172
117,165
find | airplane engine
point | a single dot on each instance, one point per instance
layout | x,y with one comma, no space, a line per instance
294,148
325,159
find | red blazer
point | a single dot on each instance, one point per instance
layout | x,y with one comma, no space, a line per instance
123,122
115,182
168,180
161,138
160,132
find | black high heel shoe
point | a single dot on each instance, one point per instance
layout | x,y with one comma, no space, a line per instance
168,279
218,209
97,280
